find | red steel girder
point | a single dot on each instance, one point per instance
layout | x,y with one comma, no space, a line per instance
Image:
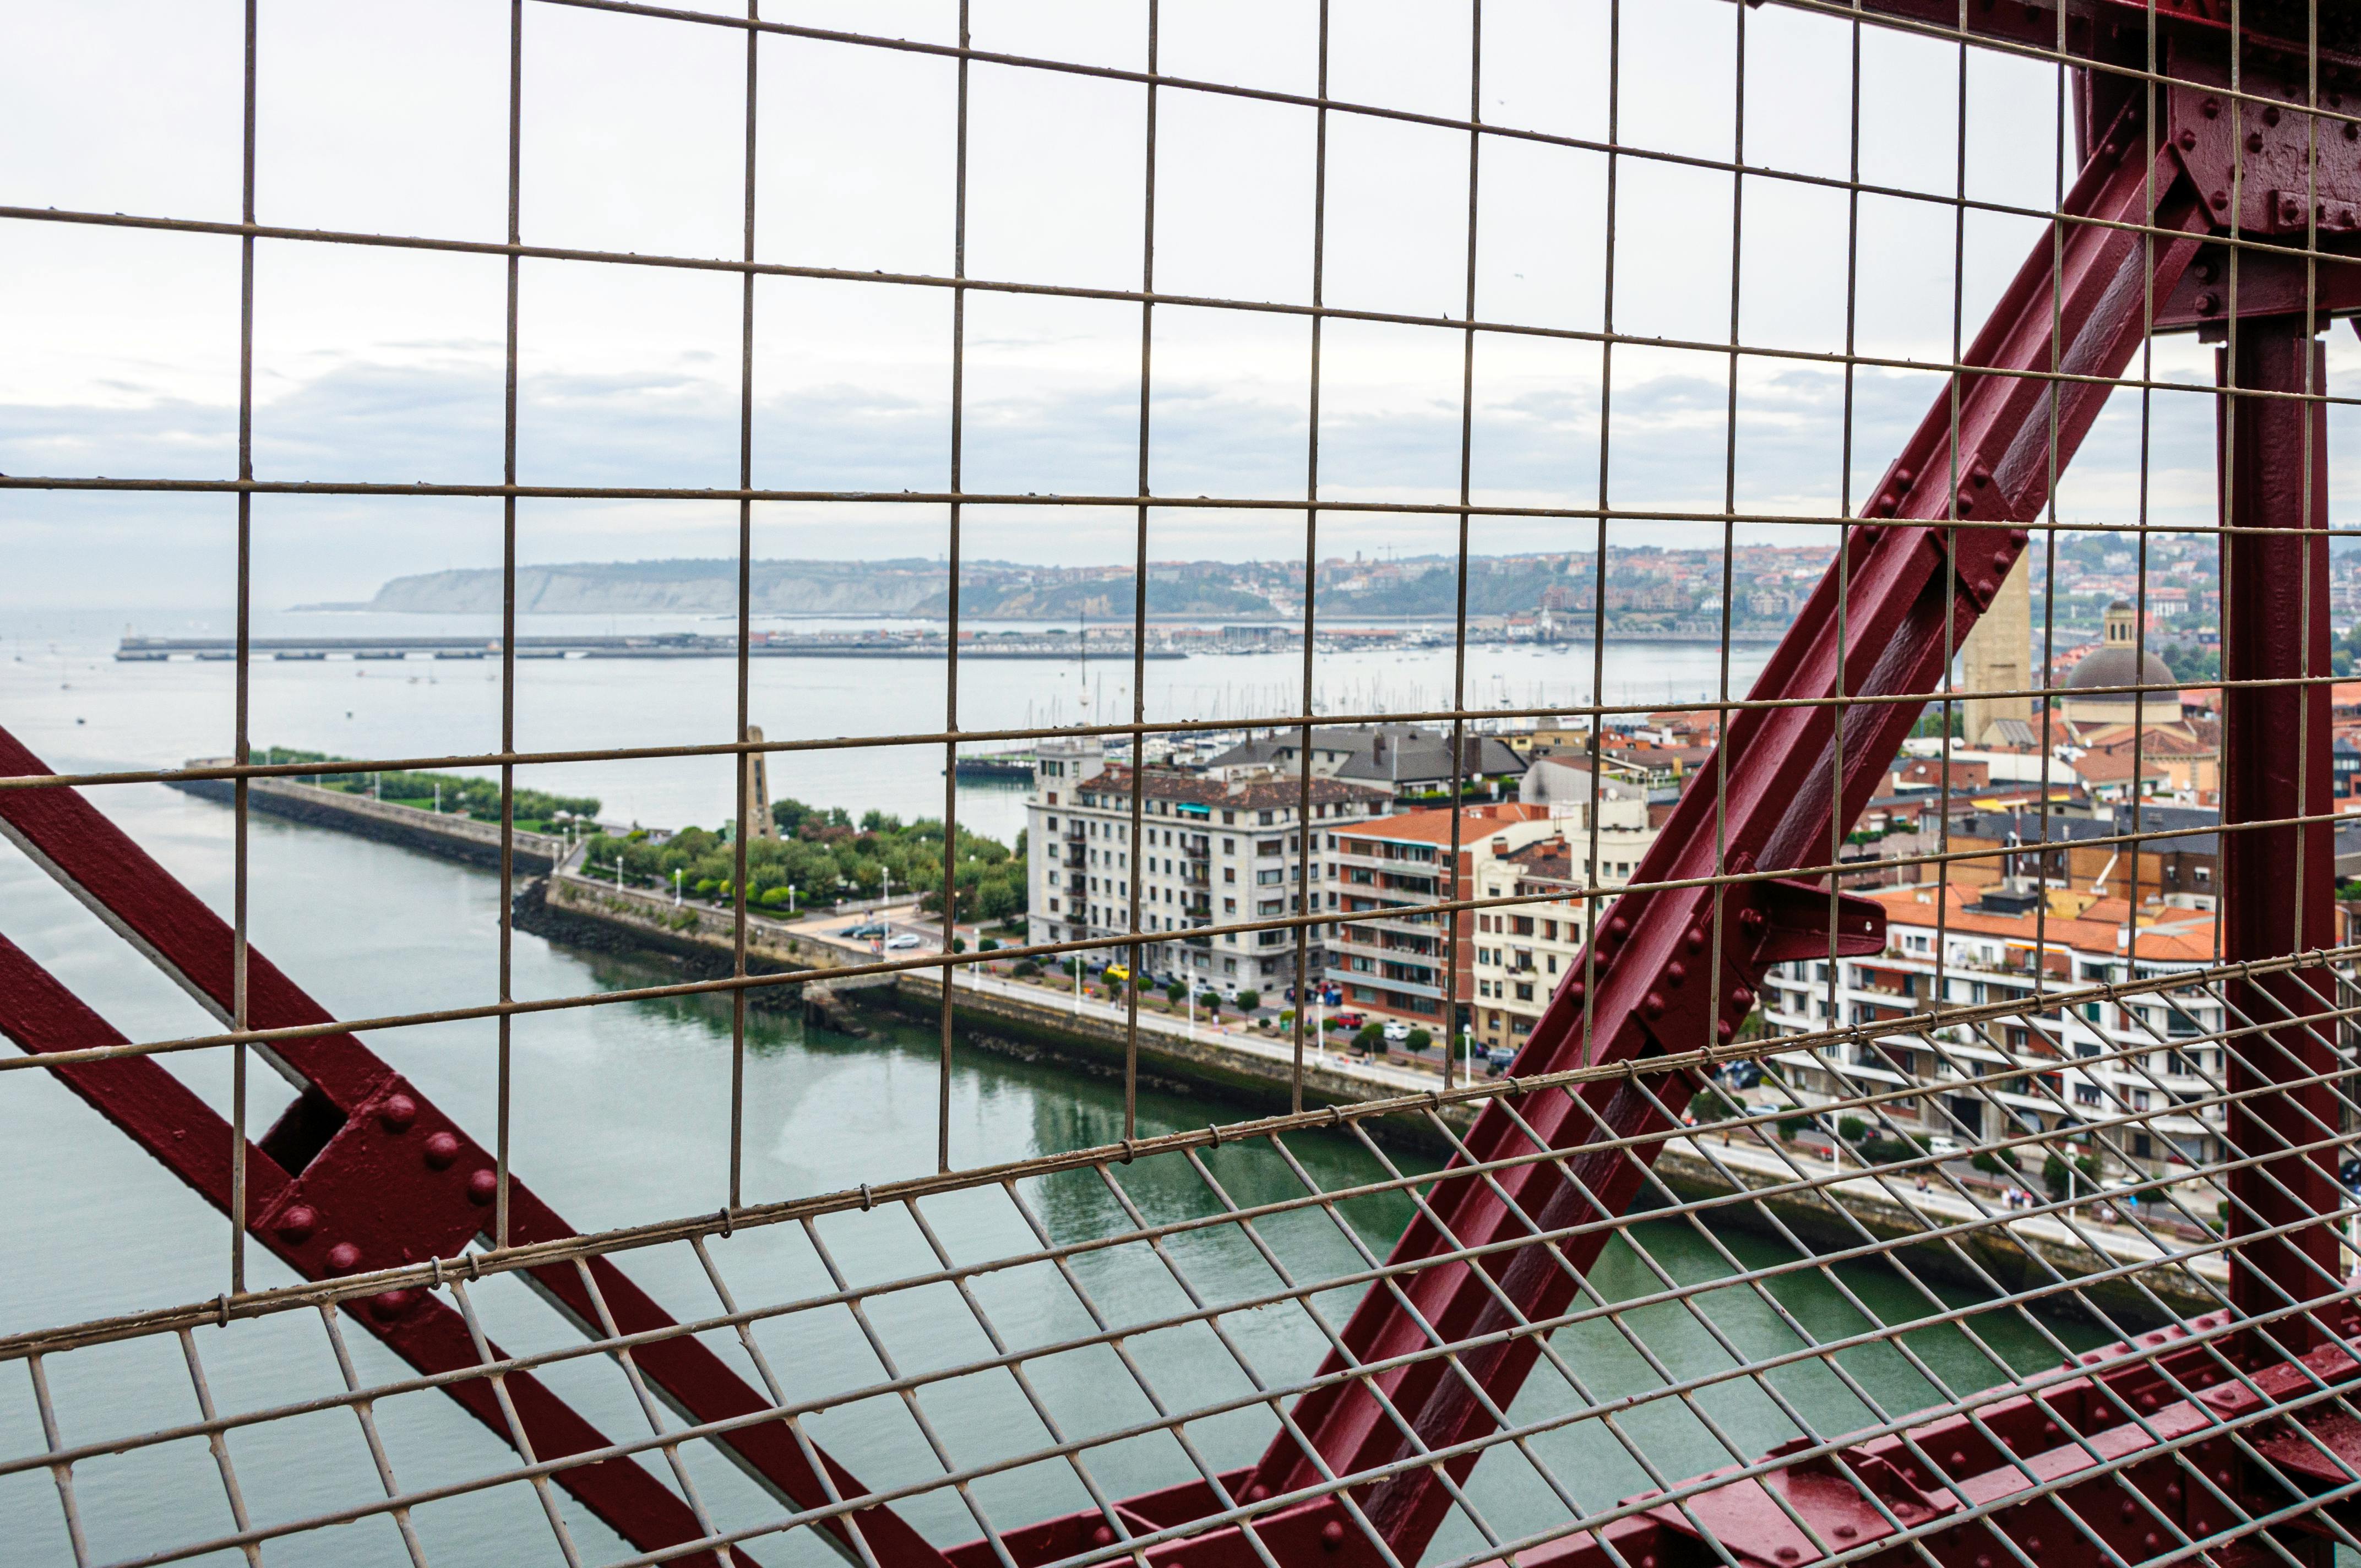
363,1172
2133,1414
2277,883
1678,969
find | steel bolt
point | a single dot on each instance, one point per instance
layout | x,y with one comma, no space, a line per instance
1958,1458
1103,1536
388,1305
2001,560
1696,938
1983,1559
1675,973
2129,1511
441,1148
2211,108
1846,1532
2032,1546
2218,200
344,1258
1578,990
1752,919
2188,138
1724,1032
2208,303
296,1226
1741,998
481,1188
1331,1534
1654,1005
1787,1554
1980,476
397,1114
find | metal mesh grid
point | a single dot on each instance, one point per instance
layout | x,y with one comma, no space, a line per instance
1157,1197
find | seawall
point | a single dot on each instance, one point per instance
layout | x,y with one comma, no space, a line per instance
452,837
697,940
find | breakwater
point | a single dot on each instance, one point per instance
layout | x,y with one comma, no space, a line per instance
448,835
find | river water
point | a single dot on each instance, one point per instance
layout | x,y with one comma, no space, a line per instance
622,1115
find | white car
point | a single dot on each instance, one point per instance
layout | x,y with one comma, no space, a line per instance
902,943
1943,1149
1396,1031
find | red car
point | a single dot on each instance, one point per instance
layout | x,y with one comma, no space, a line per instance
1348,1020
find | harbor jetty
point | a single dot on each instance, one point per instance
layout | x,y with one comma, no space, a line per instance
450,835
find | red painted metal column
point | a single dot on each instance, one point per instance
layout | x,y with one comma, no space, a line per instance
2277,883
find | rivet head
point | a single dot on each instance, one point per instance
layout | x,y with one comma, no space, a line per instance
388,1305
2032,1546
1958,1458
2188,139
482,1186
1846,1532
1103,1536
1740,997
1675,973
1654,1005
2129,1511
1725,1032
1980,476
441,1149
2253,141
1616,927
2218,200
296,1226
1695,939
1331,1534
2001,560
2208,303
397,1114
1787,1554
1983,1559
1578,990
344,1258
1258,1492
2270,114
2211,108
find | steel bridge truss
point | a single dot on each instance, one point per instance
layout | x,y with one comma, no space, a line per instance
2218,194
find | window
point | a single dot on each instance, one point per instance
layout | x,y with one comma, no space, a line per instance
1053,824
1266,846
1263,818
1227,818
1229,874
1524,991
1270,876
1229,846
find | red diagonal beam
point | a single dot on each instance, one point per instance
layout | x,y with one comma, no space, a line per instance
368,1173
162,1116
1913,583
1786,785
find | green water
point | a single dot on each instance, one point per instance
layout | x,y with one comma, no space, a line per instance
622,1116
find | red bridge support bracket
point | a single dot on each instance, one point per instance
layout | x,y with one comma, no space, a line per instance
2277,883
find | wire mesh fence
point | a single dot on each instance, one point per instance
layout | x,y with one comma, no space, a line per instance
1926,1139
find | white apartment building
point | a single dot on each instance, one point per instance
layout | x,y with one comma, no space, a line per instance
1213,852
1521,954
1992,945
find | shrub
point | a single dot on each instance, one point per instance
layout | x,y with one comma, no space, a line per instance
1176,994
1418,1040
959,943
1370,1038
1791,1125
1071,966
703,885
1210,1000
1249,999
1992,1164
1026,968
1852,1129
774,898
2055,1175
1332,1023
988,945
1712,1105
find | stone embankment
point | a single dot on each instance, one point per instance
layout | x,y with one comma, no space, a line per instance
449,835
1037,1025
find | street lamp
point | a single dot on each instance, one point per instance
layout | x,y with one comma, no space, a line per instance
619,873
675,887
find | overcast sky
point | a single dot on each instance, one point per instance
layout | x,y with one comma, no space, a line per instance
119,348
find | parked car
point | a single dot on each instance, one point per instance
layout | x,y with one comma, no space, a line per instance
1349,1020
1497,1060
863,933
902,943
1114,972
1943,1149
1396,1031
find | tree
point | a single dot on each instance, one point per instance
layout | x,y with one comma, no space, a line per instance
2055,1175
1418,1041
1249,999
1176,994
1024,968
1852,1129
1370,1038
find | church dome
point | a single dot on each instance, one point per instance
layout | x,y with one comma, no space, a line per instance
2118,661
2119,667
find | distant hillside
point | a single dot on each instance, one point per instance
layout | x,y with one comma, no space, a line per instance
989,590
